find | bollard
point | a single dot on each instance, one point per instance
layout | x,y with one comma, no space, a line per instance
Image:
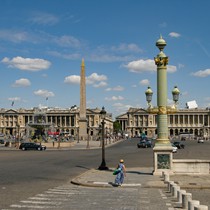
169,185
192,204
175,190
166,177
179,193
201,207
185,198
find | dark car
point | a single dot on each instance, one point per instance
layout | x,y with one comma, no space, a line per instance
144,144
31,146
1,141
179,145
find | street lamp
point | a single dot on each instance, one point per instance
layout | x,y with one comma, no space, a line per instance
149,94
18,136
88,139
163,148
103,163
175,93
77,134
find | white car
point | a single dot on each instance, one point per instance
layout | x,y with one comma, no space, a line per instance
174,148
200,141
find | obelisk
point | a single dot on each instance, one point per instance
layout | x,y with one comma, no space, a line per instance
82,112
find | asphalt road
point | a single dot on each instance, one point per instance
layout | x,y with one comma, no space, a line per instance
26,173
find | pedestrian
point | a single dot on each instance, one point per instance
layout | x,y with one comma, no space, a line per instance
120,176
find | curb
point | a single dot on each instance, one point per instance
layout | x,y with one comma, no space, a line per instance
149,184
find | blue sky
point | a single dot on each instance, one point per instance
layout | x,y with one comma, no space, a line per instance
42,43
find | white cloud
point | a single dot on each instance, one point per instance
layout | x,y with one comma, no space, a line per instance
67,41
126,48
94,77
107,58
121,108
22,83
27,64
117,88
202,73
114,98
148,65
180,66
14,99
73,79
44,93
100,84
14,36
71,56
96,80
174,34
134,86
171,69
144,82
44,18
141,65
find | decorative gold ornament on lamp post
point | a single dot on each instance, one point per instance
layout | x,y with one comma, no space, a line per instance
163,149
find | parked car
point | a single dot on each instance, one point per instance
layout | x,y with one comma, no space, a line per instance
1,141
144,144
31,146
174,148
200,141
179,145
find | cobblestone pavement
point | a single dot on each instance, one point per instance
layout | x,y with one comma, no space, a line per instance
74,197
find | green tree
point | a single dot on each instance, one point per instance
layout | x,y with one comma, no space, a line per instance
117,126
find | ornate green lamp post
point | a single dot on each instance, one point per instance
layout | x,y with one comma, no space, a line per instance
162,150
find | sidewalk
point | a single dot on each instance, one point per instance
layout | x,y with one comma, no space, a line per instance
140,177
71,145
135,177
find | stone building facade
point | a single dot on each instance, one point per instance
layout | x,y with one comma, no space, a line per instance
15,122
193,121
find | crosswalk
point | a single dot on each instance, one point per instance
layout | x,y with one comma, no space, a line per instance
50,199
74,197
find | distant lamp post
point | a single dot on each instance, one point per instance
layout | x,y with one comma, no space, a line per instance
18,136
103,163
163,149
77,134
88,139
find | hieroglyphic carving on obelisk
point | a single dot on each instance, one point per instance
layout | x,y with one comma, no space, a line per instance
82,113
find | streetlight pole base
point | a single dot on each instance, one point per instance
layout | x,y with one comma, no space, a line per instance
103,166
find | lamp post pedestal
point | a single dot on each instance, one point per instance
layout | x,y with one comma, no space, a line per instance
163,157
103,166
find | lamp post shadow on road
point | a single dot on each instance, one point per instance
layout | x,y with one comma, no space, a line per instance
103,163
